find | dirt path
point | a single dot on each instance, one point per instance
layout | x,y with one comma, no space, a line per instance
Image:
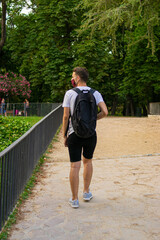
126,189
120,137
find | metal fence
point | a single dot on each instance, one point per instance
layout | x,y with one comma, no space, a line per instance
154,108
19,159
34,109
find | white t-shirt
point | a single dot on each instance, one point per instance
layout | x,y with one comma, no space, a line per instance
69,100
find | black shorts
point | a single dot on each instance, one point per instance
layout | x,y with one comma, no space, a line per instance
76,144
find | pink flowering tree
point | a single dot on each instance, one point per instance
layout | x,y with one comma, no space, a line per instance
14,87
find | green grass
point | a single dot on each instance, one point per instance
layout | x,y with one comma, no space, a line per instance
32,120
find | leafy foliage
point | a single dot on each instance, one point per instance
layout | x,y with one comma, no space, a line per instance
118,41
12,128
131,26
41,44
108,16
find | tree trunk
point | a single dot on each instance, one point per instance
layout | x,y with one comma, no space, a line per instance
129,106
127,113
145,112
114,106
132,107
3,25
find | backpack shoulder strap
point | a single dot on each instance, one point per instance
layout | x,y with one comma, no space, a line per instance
77,90
92,90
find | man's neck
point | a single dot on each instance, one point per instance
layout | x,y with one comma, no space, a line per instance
81,84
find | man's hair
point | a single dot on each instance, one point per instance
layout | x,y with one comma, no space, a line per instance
82,73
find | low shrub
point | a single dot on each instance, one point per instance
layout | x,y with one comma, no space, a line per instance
11,129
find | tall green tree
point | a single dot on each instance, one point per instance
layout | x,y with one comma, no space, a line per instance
41,45
117,40
105,68
135,23
142,75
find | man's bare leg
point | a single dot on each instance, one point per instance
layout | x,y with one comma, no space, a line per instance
74,178
87,173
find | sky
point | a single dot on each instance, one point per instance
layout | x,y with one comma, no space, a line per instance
26,10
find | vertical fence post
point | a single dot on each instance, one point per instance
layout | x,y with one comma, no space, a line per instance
2,107
25,109
13,110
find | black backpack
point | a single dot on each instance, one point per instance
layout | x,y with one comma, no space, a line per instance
85,113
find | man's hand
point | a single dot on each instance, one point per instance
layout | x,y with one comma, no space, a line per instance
65,124
104,111
65,142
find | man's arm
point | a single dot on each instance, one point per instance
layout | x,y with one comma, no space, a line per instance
65,123
103,112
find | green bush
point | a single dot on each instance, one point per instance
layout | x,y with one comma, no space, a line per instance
11,129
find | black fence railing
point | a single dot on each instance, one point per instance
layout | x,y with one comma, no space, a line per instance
19,159
20,109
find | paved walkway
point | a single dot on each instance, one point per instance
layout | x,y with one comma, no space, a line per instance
126,203
126,190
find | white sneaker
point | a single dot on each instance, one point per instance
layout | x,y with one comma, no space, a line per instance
87,196
74,203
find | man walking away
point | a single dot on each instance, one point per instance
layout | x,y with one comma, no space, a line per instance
80,137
